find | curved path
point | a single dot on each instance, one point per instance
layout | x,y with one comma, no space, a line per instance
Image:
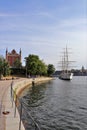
8,121
4,86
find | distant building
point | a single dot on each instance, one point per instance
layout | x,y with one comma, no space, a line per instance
12,56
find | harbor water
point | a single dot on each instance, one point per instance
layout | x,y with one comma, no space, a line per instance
57,104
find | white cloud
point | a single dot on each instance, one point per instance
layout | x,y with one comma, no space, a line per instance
43,38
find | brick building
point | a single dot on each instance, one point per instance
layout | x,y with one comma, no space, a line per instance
12,56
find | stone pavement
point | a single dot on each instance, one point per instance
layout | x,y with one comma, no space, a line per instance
8,119
12,119
3,89
7,111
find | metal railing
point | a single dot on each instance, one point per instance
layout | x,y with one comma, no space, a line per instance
23,105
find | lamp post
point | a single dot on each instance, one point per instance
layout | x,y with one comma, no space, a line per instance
26,71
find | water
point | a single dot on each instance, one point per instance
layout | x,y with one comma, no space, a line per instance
57,105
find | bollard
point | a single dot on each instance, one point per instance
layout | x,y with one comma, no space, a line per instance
33,83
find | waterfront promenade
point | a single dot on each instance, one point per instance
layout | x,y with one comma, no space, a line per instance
7,120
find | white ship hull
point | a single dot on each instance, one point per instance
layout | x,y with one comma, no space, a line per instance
65,64
66,76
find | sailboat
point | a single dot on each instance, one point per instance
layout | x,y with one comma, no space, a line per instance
66,74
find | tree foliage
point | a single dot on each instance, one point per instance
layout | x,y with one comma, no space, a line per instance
17,63
50,69
4,67
35,66
1,65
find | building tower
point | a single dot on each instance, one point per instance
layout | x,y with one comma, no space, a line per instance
6,53
12,56
20,54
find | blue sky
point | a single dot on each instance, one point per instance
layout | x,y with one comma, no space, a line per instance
44,27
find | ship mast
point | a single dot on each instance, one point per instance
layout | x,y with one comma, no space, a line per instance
65,63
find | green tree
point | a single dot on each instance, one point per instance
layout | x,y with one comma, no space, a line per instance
6,70
1,66
35,66
17,63
50,69
41,68
4,67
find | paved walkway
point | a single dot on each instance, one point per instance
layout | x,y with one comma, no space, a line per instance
8,121
4,85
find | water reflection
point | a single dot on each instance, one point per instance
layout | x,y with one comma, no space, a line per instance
58,105
35,95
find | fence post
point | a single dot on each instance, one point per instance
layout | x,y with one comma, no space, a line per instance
35,127
12,95
20,115
0,108
15,106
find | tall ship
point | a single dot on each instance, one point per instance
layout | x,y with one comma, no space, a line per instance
66,73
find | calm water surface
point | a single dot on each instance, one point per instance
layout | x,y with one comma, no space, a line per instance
57,105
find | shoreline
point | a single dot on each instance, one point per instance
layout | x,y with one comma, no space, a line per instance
20,86
10,112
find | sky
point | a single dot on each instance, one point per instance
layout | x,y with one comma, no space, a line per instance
44,28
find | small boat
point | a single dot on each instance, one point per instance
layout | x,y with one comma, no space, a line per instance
65,74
